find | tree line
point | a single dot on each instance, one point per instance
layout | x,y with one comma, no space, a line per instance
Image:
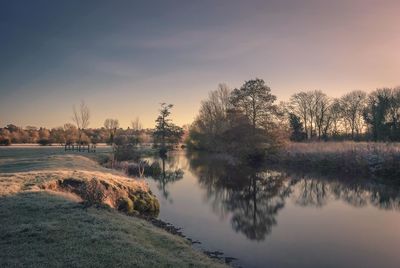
164,135
243,120
67,134
231,119
354,116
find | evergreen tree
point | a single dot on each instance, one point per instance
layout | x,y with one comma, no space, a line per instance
166,133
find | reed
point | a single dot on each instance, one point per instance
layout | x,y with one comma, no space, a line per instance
378,160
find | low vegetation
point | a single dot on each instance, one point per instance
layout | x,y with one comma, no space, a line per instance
378,160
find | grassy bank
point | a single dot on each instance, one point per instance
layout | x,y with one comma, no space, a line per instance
43,229
46,220
377,160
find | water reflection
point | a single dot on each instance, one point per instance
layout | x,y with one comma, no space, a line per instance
254,195
317,192
165,171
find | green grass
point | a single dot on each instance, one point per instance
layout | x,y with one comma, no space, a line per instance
40,229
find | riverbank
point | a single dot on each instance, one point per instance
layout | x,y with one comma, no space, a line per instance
380,161
44,229
46,221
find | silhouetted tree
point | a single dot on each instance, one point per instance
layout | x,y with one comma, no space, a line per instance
207,131
136,125
255,100
166,133
296,127
81,119
111,125
353,105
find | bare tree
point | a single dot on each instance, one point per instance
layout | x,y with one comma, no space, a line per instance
111,125
136,125
213,110
353,104
299,105
312,107
81,118
335,113
322,117
394,110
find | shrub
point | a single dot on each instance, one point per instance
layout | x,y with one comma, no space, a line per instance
145,203
44,142
125,204
5,141
103,159
93,192
154,169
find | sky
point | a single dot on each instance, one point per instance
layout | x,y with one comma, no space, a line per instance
126,57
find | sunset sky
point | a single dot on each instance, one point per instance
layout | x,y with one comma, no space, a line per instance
125,57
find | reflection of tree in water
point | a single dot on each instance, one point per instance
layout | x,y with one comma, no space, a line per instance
254,198
256,206
311,193
165,176
388,199
358,193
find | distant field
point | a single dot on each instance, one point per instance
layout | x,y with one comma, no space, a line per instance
27,158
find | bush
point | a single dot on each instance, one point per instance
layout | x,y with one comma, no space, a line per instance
5,141
125,204
124,153
44,142
103,159
93,192
146,204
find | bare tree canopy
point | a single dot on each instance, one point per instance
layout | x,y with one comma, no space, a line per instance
81,117
136,125
353,105
111,124
313,109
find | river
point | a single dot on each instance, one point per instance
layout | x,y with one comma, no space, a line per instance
268,218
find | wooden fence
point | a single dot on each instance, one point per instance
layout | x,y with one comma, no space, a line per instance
90,148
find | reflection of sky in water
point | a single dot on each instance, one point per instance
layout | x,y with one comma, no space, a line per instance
267,219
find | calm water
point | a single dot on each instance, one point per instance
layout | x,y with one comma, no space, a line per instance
271,219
